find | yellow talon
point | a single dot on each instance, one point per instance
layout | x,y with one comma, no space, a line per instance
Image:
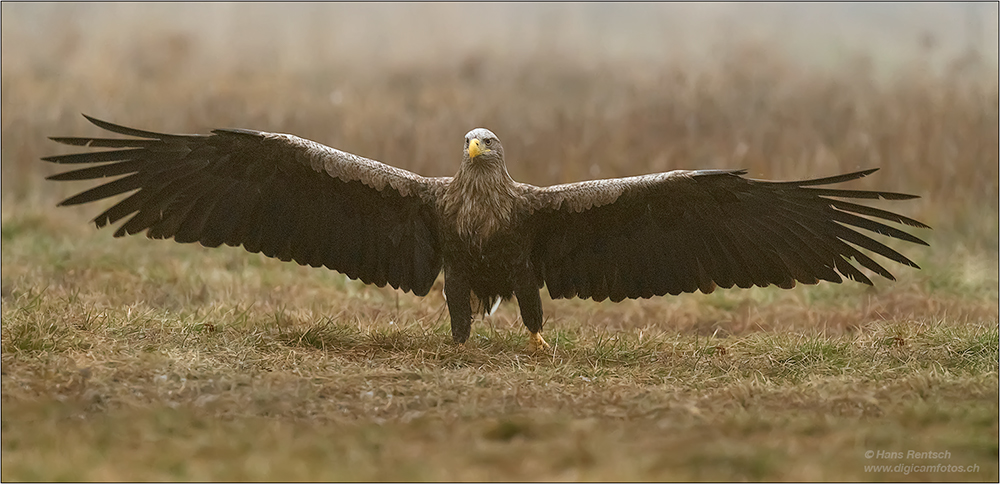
536,343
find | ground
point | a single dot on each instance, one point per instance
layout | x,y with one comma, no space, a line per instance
133,359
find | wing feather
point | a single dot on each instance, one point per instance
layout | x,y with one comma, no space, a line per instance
224,216
728,245
277,194
98,157
827,180
111,169
760,251
103,143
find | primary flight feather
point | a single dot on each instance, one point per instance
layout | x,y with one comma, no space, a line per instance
642,236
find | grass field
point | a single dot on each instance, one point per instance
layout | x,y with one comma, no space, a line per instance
131,359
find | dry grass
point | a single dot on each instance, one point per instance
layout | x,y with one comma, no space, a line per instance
130,359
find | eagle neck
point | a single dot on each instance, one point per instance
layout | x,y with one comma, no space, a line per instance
480,200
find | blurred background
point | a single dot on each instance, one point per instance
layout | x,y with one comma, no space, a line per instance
575,91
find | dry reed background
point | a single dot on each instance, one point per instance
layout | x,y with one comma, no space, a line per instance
298,372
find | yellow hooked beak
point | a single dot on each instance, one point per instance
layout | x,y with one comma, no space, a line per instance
474,149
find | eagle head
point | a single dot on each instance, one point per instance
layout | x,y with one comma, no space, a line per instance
482,146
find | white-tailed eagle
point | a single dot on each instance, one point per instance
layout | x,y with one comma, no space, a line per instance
642,236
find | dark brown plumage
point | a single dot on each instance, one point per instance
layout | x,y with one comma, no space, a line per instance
642,236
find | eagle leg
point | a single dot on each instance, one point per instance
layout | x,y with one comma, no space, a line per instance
530,303
456,292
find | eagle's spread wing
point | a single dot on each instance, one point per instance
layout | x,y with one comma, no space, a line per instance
688,230
277,194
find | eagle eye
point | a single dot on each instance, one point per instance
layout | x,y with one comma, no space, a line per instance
488,141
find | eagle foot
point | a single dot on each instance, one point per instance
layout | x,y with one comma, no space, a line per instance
536,343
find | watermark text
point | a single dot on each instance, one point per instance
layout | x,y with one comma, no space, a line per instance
906,469
909,454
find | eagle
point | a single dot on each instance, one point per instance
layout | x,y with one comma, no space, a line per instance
494,238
